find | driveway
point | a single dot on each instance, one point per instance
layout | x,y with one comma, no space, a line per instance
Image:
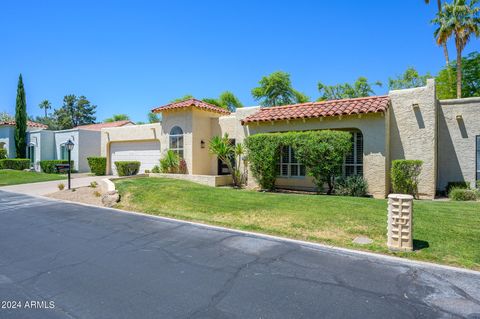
86,262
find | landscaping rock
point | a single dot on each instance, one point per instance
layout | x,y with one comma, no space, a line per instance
109,199
362,241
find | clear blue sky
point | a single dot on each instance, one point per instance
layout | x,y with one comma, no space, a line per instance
129,56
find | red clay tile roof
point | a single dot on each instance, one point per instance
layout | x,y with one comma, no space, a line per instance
29,124
191,103
99,126
372,104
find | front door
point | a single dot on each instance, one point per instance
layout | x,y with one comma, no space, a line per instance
222,167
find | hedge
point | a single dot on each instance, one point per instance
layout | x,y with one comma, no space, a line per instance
451,185
98,165
321,152
127,168
463,194
404,175
15,163
48,166
3,153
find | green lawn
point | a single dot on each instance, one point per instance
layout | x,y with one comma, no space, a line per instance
444,232
11,177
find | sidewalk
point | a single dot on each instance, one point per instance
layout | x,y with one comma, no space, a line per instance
45,188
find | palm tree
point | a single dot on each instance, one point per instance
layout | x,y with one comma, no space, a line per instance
461,20
444,44
46,105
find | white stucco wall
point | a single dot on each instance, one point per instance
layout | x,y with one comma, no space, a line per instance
89,143
413,132
43,142
456,140
7,137
61,137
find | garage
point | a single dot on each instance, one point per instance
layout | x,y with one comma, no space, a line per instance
146,152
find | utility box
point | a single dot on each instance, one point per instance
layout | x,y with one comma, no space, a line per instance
400,222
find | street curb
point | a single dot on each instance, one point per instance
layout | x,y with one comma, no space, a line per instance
319,246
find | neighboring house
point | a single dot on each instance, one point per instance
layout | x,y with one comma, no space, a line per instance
405,124
50,145
7,135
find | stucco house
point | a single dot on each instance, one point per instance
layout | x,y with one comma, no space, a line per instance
50,145
7,135
405,124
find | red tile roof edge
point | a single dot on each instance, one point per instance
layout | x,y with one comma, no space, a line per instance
191,103
363,105
29,124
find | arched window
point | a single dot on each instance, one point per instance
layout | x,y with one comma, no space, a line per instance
353,162
176,140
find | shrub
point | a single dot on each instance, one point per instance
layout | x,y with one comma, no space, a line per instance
15,163
93,184
98,165
3,153
169,163
463,194
231,155
450,185
321,152
351,186
97,193
49,167
156,169
61,186
147,171
127,168
405,176
182,167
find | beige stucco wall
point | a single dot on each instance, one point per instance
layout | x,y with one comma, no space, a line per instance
456,140
147,132
375,157
413,132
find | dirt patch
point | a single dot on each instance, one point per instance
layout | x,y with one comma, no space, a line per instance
86,195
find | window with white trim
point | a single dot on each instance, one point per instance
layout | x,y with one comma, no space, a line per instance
176,140
353,162
63,152
289,165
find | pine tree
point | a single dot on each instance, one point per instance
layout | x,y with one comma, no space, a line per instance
21,120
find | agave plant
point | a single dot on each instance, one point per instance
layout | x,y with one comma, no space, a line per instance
170,163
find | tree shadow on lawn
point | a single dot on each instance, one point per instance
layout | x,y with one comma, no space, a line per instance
420,244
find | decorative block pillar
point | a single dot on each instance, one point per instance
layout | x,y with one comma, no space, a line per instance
400,226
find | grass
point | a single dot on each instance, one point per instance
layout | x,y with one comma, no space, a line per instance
12,177
444,232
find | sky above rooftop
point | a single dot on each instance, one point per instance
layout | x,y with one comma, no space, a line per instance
130,56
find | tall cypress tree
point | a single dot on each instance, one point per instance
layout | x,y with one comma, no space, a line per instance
21,120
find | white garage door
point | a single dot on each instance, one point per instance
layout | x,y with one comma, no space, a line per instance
147,153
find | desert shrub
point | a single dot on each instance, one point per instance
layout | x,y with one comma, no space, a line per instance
322,153
93,184
169,163
182,167
351,186
61,186
156,169
3,153
450,185
48,166
15,163
98,165
404,175
463,194
127,168
97,193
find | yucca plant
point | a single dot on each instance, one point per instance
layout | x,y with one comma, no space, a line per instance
169,163
231,155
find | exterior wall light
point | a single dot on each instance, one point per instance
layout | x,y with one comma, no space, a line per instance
415,106
202,144
459,117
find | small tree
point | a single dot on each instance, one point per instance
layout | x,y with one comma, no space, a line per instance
21,120
231,155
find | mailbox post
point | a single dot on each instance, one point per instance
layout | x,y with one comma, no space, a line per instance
69,146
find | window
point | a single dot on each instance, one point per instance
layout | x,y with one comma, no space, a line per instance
353,162
176,140
478,158
289,165
63,152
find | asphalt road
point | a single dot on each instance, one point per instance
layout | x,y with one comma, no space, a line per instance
75,261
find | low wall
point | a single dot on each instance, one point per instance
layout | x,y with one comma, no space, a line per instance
209,180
